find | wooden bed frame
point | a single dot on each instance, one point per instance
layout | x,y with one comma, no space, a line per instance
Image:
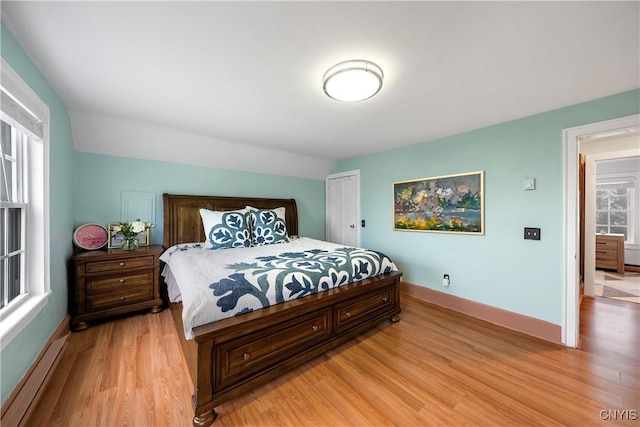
235,355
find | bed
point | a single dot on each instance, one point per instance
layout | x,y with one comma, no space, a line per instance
232,356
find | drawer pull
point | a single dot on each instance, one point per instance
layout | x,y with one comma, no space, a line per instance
122,298
385,299
246,355
121,264
121,280
314,327
347,313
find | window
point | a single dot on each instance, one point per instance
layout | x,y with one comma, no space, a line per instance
24,207
13,210
615,200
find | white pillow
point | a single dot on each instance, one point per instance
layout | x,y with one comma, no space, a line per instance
227,229
268,226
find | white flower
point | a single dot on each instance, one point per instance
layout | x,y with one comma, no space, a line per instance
138,226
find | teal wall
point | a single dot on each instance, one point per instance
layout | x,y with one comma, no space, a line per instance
104,178
500,268
17,357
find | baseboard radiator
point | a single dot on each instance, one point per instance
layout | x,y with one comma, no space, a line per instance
17,409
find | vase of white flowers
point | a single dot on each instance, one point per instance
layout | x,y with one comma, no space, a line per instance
129,244
129,232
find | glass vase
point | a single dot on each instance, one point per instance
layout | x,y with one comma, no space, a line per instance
129,244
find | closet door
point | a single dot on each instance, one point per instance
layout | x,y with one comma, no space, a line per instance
343,208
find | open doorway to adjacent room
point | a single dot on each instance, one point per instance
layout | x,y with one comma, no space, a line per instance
617,210
612,206
583,146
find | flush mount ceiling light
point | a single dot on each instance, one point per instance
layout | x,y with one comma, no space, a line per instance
354,80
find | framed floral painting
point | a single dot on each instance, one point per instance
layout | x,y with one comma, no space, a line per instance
441,204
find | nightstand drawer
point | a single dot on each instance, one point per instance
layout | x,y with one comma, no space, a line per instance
117,299
120,264
118,282
606,245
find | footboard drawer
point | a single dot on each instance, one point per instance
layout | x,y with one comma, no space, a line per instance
357,310
257,352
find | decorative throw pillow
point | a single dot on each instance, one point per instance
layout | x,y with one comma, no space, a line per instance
228,229
267,226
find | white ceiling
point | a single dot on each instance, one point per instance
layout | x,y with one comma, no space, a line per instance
247,75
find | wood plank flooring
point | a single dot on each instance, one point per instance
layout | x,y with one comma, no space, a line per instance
433,368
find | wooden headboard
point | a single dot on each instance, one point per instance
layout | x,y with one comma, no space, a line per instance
183,224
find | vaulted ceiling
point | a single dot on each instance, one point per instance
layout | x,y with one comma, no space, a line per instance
238,77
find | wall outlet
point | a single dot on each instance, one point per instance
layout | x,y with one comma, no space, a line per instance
531,233
446,281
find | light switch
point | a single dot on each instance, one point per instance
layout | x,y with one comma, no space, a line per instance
529,183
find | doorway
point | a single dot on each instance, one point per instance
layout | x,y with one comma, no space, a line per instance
617,206
573,140
612,202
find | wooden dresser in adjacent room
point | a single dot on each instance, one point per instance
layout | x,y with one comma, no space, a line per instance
114,282
610,252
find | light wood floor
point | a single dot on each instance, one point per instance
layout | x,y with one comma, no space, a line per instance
435,368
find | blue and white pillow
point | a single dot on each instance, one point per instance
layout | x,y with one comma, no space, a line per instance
226,229
268,226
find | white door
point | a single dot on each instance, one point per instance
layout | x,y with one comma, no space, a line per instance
343,208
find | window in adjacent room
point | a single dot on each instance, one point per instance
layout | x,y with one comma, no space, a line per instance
615,204
24,210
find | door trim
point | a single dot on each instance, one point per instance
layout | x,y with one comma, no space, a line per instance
355,173
571,238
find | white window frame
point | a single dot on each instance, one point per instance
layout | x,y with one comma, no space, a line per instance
17,315
632,200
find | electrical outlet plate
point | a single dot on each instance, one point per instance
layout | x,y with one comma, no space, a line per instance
446,281
531,233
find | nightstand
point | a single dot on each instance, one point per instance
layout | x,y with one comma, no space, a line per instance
114,282
610,252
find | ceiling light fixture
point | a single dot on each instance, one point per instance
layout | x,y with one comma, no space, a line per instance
354,80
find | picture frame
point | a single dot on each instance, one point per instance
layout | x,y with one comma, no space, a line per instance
440,204
116,241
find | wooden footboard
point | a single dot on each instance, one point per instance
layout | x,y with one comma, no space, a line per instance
189,347
233,356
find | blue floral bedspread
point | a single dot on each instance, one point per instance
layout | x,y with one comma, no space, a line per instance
215,284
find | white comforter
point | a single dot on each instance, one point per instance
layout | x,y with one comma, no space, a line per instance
216,284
